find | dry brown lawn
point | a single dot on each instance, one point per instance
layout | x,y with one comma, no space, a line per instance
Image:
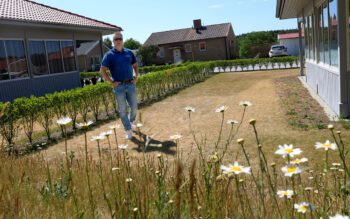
168,117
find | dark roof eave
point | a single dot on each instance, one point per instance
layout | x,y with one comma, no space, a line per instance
103,30
278,9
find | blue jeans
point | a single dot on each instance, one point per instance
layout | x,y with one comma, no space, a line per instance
126,94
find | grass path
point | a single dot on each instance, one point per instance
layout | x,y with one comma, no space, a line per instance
168,117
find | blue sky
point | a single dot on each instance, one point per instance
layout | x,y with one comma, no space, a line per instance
139,18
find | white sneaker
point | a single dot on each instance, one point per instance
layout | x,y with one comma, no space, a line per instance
133,126
128,134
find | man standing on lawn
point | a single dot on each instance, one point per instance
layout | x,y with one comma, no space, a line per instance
121,62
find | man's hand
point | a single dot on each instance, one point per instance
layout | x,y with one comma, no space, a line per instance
134,81
115,84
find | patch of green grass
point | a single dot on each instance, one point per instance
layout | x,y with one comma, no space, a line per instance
302,111
345,123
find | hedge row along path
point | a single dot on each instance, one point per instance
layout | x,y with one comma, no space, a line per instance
168,117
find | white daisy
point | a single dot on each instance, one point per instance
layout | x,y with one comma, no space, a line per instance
290,170
338,216
299,161
326,146
232,122
235,168
139,125
190,109
221,109
84,125
285,193
123,146
64,121
245,103
288,150
107,133
98,138
302,207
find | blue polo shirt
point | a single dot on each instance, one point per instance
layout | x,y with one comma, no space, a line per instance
119,63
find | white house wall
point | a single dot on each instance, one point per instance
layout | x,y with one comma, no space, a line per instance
325,83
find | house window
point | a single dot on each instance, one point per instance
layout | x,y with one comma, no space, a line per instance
161,52
38,58
4,74
13,61
202,46
67,49
333,16
188,48
54,56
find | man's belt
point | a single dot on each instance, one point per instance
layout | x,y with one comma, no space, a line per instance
126,81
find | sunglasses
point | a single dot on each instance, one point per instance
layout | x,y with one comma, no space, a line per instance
116,39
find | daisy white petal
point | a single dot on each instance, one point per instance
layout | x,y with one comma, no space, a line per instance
326,146
190,109
221,109
291,170
339,216
302,207
123,146
288,150
245,103
64,121
285,193
232,122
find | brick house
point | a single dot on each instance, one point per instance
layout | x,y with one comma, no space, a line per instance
199,43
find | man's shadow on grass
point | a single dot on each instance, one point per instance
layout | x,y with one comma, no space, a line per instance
148,144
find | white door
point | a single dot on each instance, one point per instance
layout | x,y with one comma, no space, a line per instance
177,55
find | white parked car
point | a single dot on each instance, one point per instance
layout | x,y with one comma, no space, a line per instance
278,50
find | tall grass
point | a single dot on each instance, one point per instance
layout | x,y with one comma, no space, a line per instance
213,184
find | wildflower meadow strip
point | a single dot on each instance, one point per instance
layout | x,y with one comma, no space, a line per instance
217,185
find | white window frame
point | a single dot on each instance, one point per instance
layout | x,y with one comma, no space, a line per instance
188,45
199,46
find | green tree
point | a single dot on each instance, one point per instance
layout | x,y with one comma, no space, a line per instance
148,53
258,42
132,44
108,42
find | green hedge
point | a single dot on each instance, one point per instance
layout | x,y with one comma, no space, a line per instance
90,101
220,63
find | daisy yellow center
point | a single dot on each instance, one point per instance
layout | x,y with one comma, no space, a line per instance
327,145
289,150
297,160
291,169
285,193
236,168
303,208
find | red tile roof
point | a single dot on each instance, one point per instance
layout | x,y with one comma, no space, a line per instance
189,34
29,11
289,36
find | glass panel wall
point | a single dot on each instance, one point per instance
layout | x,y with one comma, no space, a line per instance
67,49
333,32
16,59
38,60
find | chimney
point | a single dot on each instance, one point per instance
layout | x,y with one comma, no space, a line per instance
197,24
